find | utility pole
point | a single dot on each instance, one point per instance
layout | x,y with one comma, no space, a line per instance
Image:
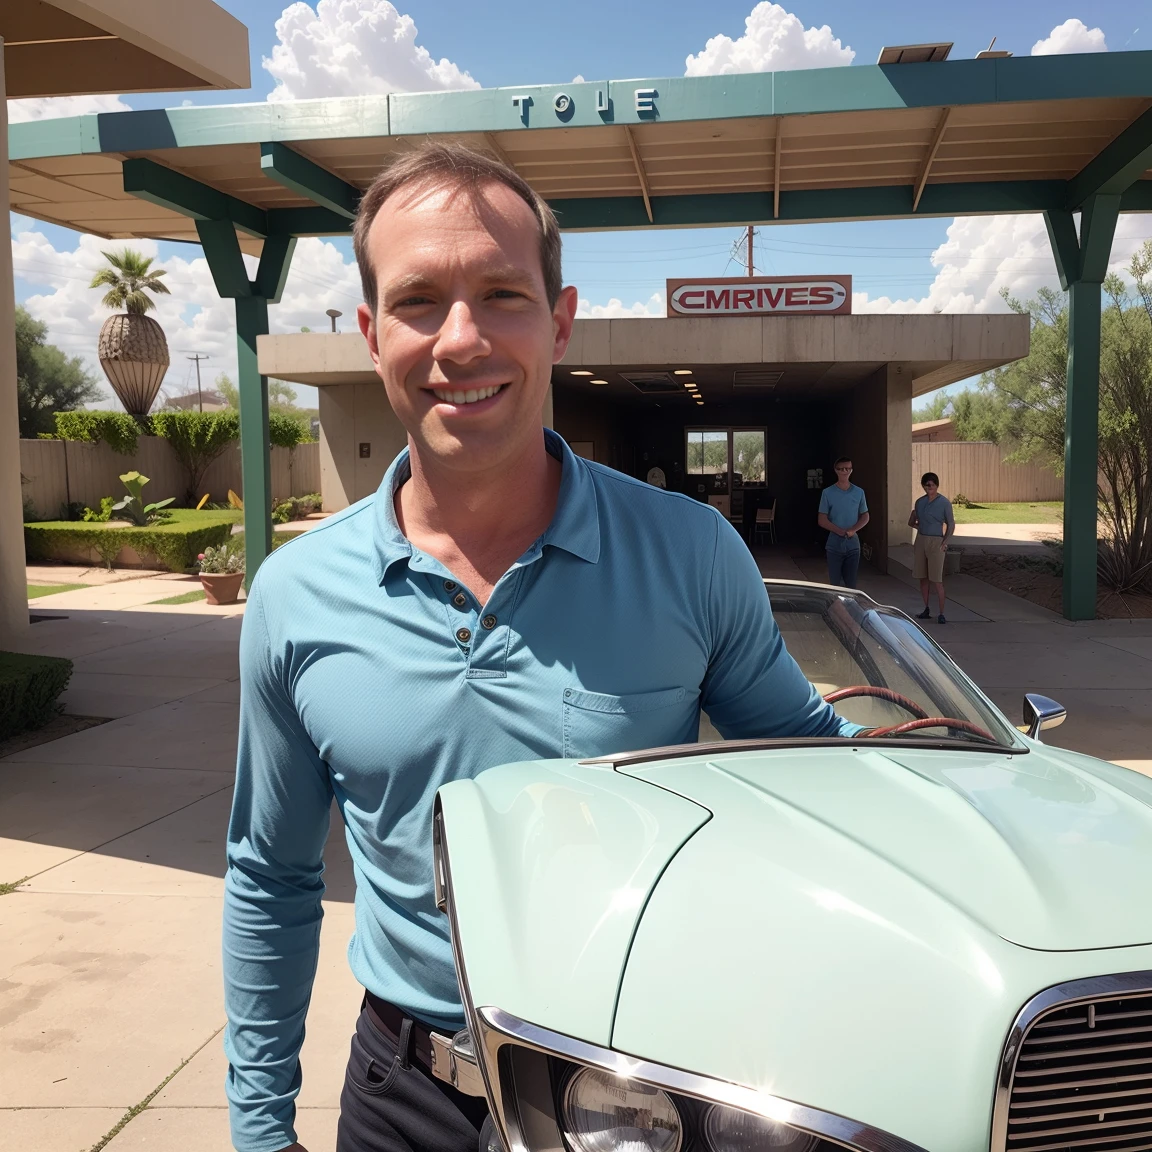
198,357
751,266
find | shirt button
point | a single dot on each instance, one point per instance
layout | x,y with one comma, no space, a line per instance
449,585
459,599
489,622
463,635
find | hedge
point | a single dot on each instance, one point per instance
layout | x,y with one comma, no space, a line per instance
174,546
29,686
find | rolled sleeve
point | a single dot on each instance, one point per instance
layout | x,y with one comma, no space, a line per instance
272,894
754,688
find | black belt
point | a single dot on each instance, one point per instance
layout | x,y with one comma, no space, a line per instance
412,1039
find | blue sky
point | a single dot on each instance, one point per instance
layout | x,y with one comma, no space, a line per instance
903,265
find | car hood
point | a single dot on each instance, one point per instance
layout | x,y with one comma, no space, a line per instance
1047,850
846,930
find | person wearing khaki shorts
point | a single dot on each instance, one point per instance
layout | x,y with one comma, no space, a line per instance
933,520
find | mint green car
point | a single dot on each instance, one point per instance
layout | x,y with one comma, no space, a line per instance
937,937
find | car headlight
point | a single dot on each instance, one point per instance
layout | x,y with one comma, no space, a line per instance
604,1113
731,1130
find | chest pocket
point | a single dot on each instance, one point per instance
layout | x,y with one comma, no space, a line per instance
596,724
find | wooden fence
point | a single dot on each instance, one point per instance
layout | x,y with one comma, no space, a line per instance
977,470
58,472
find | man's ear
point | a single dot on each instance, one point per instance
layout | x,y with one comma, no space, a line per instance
367,322
563,317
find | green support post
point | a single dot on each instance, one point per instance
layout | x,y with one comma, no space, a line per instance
1081,432
1082,265
222,250
255,459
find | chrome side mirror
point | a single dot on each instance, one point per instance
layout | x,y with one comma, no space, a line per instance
1041,713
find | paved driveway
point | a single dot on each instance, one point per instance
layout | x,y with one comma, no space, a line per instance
109,963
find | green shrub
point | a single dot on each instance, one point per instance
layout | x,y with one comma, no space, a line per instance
117,429
196,439
295,507
174,545
91,516
29,686
286,431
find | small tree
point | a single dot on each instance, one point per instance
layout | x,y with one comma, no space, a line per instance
934,409
47,381
1034,393
197,439
228,390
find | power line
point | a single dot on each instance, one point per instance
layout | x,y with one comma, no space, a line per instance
199,392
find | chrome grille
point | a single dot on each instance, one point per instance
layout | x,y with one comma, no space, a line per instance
1083,1079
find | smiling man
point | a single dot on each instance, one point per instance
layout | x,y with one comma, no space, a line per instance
498,599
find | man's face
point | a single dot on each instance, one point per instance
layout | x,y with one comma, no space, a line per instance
843,472
463,336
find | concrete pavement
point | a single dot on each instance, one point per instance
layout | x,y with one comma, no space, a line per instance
109,970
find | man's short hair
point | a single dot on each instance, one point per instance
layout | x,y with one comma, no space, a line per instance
842,460
929,478
435,165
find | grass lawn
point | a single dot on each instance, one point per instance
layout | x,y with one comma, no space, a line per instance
183,598
1045,512
37,590
205,516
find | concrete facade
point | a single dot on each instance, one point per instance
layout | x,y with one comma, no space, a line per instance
840,384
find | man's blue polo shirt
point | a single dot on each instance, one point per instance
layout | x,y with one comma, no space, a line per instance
369,675
843,506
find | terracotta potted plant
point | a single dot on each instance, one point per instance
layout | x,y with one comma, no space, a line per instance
222,571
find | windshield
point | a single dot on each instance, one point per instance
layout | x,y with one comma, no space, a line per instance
842,641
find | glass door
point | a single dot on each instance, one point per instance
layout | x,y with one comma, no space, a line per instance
722,463
708,464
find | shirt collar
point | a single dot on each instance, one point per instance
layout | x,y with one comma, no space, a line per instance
575,525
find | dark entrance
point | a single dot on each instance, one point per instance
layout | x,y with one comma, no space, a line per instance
739,453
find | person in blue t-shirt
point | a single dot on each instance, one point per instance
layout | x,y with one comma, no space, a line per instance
934,523
843,512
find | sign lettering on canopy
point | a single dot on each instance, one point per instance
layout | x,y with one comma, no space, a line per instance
760,296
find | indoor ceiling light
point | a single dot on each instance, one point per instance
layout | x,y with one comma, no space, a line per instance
581,372
682,372
597,381
701,403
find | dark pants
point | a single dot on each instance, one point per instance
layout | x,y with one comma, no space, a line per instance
842,567
392,1103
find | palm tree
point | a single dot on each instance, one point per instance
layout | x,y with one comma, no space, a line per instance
132,348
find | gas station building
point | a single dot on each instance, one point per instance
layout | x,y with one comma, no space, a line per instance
915,135
741,411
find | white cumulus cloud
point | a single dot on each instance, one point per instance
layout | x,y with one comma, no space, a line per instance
1071,36
983,254
616,309
354,48
774,40
194,317
49,107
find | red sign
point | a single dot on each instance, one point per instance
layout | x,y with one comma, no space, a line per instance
761,296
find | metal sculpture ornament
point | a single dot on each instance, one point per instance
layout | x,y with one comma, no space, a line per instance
761,296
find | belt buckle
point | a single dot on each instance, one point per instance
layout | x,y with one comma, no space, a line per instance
454,1062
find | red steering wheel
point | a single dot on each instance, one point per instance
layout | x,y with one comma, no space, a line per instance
879,694
932,722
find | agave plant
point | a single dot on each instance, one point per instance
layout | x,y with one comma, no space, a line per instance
132,348
133,508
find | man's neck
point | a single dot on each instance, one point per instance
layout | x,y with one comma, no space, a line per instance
845,485
479,523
